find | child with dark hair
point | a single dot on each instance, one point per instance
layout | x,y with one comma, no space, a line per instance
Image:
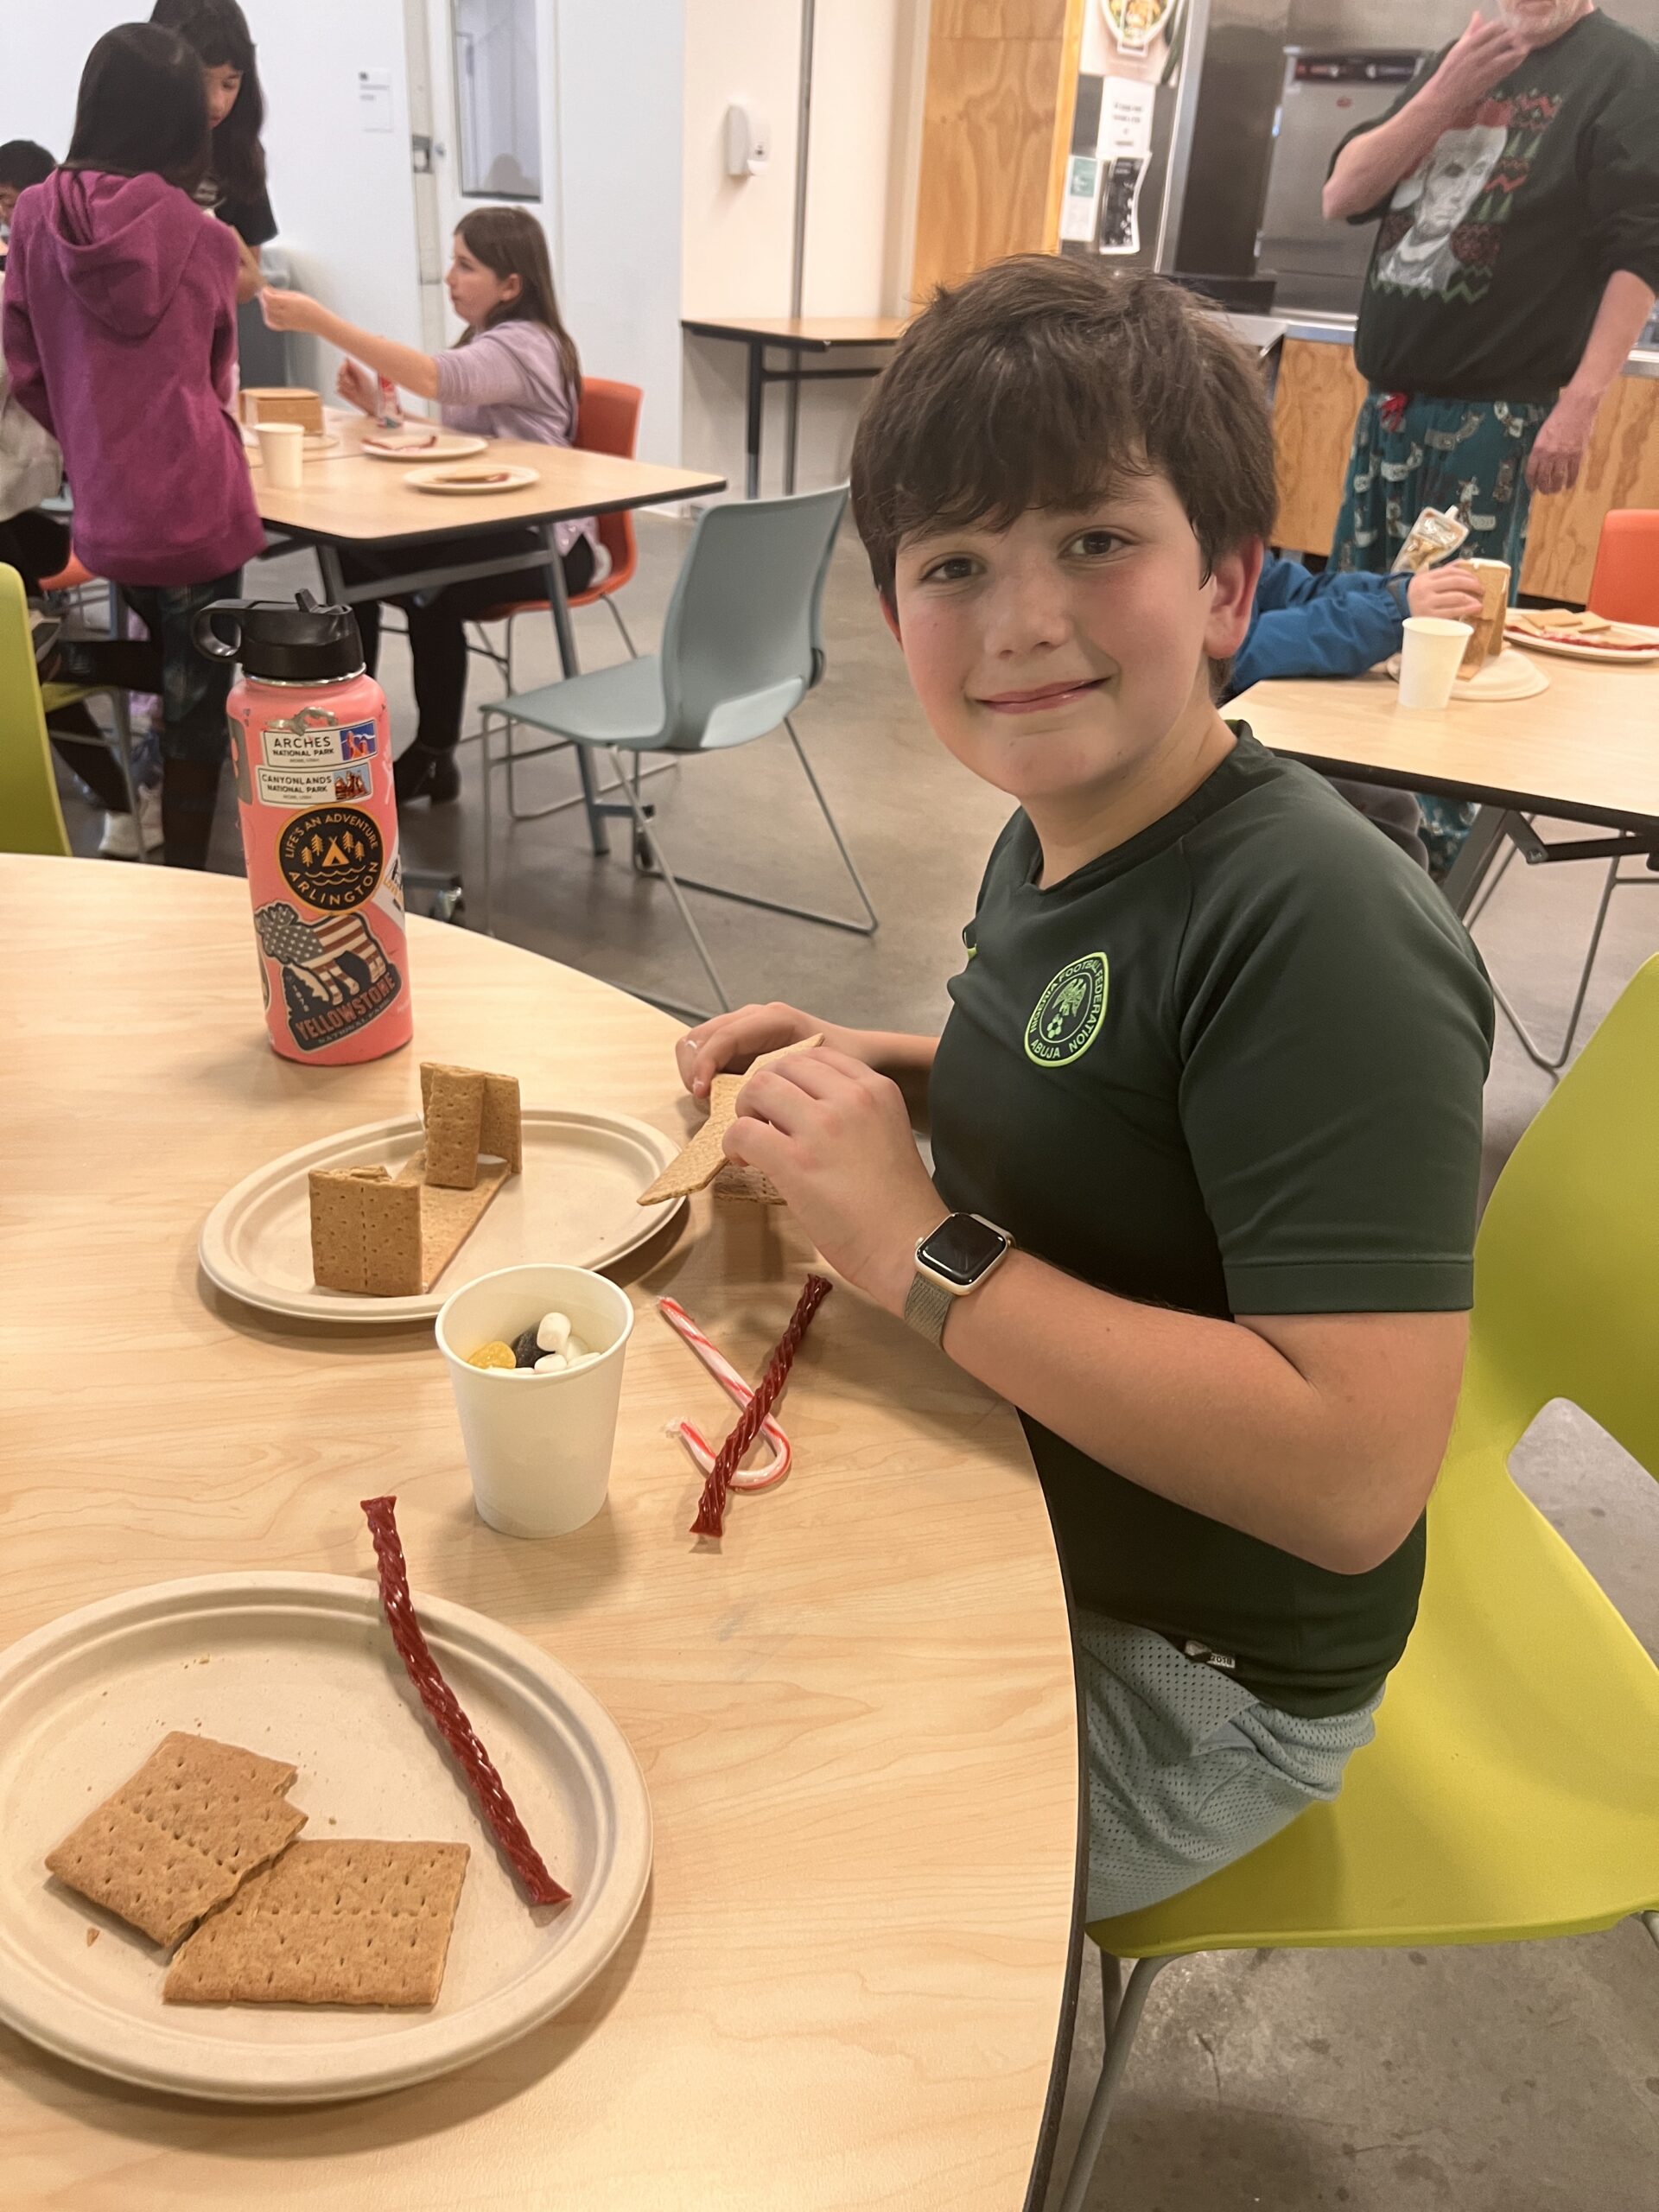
21,164
120,337
217,32
1206,1113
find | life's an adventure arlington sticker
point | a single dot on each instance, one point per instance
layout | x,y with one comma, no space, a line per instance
1066,1020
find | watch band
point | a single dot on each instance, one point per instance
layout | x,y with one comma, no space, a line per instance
927,1307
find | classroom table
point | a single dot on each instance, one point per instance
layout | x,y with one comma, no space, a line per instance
1586,750
795,335
856,1718
349,498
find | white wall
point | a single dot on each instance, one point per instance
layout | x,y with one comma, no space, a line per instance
867,62
342,194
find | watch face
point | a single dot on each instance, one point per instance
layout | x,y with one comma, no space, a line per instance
962,1247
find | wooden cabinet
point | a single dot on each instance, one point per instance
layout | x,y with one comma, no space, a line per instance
996,128
1318,396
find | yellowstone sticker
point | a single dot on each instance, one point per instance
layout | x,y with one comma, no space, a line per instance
331,857
1067,1019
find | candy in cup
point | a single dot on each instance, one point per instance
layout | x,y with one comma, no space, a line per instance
539,1435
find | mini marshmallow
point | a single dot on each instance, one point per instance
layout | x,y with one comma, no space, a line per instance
552,1363
553,1331
576,1350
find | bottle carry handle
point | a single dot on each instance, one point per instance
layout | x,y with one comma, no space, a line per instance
207,638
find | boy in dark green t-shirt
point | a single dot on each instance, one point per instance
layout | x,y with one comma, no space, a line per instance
1206,1113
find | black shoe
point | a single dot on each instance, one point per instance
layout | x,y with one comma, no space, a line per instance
422,773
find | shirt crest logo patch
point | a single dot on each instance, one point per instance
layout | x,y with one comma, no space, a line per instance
1067,1019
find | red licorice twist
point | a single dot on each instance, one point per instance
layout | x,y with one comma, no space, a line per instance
440,1701
711,1506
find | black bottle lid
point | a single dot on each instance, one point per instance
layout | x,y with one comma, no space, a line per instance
283,641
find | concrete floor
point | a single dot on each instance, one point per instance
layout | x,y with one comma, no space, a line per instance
1518,2079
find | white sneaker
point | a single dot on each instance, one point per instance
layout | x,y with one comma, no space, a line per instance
121,834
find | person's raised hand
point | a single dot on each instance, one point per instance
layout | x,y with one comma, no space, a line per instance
834,1137
1451,594
730,1041
1557,450
287,310
1482,57
358,388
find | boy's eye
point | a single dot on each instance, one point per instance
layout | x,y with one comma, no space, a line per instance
1091,543
955,568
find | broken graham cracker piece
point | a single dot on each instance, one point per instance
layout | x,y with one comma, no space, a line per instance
747,1184
182,1835
704,1157
449,1217
502,1130
334,1922
366,1231
452,1106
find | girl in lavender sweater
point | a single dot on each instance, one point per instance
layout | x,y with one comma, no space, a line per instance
515,374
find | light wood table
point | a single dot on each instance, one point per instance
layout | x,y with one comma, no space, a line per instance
349,498
856,1718
795,335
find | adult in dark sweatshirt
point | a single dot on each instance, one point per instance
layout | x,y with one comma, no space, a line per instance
120,337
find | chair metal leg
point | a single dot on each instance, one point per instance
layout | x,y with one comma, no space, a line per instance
121,715
782,906
1120,2035
643,831
1530,1045
1483,897
616,616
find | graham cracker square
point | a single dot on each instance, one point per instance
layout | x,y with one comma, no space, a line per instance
452,1106
501,1131
180,1835
335,1922
365,1232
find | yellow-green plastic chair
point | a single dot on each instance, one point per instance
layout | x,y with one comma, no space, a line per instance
31,820
1512,1789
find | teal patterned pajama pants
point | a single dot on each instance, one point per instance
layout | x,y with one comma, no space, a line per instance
1409,453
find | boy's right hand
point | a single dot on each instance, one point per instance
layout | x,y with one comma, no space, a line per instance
1453,593
358,388
727,1044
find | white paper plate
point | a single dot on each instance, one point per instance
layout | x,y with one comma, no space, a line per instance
1509,676
317,444
302,1667
574,1202
448,445
1588,650
433,480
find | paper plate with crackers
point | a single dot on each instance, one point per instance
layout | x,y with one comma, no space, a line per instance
1579,635
383,1222
245,1857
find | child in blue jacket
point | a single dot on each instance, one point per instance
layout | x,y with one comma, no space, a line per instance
1341,624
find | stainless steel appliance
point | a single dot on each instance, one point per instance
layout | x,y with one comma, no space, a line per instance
1320,264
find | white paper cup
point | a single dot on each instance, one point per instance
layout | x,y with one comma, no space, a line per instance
1429,655
538,1447
282,448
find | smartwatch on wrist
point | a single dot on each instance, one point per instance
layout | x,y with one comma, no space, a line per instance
953,1259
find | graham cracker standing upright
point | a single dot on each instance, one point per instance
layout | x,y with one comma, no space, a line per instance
452,1106
365,1232
501,1127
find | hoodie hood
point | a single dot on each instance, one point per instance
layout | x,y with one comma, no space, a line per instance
122,243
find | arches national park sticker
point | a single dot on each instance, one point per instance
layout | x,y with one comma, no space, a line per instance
331,857
1066,1020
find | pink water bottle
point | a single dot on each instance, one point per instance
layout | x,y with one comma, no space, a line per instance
312,756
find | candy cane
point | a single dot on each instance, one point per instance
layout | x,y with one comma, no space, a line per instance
762,1478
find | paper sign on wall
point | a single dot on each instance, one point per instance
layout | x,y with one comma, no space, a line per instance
1124,146
1081,196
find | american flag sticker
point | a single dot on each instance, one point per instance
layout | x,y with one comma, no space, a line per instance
334,973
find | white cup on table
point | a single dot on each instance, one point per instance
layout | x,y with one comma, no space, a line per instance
1429,656
538,1445
282,448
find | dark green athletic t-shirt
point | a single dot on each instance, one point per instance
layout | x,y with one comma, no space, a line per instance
1493,254
1233,1066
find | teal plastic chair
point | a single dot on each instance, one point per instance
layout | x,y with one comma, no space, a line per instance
1512,1789
741,647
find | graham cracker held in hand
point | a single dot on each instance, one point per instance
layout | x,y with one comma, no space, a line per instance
337,1922
705,1156
182,1835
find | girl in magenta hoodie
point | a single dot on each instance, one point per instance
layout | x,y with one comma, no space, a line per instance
120,337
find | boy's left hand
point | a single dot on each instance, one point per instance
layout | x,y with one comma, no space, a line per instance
1452,592
287,310
834,1137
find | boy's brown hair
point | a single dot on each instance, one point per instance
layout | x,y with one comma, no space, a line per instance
1044,382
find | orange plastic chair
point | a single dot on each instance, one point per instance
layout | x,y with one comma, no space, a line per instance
69,578
1625,585
607,421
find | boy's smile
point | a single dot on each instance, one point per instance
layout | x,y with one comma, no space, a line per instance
1064,657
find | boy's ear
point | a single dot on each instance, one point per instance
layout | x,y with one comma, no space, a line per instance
890,614
1235,576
